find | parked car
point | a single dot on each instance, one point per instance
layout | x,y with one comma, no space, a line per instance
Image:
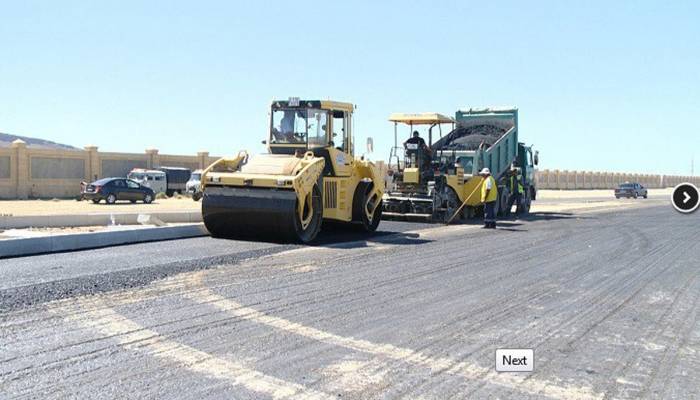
112,190
633,190
168,180
193,186
151,178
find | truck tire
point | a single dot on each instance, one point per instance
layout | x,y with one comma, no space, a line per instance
361,202
453,204
502,203
525,202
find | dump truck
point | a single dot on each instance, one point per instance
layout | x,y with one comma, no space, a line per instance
309,175
486,137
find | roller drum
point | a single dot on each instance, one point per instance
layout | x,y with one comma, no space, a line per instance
254,213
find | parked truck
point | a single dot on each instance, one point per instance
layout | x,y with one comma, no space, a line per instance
177,178
482,138
168,180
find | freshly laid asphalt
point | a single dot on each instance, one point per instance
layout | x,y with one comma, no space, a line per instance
609,302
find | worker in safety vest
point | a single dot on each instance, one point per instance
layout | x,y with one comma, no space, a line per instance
515,185
489,196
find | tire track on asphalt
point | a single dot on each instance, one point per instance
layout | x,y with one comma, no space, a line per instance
175,294
621,287
462,369
671,350
516,302
132,336
523,333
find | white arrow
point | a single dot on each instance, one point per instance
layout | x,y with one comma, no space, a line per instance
687,197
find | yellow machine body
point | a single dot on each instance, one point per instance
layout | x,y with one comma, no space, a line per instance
303,180
411,175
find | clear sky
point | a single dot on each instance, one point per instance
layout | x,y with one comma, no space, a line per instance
609,85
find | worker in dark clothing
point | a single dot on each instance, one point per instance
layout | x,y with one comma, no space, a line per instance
422,150
515,185
416,139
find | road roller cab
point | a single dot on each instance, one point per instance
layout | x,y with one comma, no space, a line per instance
309,175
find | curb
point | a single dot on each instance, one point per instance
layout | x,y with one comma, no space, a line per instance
82,241
97,219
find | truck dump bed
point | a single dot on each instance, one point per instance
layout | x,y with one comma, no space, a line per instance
491,133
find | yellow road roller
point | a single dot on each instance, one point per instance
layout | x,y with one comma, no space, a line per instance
310,175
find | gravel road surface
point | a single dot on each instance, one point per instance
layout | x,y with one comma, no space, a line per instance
609,302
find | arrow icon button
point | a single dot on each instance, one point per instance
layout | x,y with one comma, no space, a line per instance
686,198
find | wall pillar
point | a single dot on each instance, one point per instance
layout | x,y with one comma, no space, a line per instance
92,165
203,157
153,158
21,169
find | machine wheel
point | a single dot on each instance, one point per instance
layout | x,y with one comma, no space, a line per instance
308,225
525,203
362,205
646,195
96,201
196,196
147,199
634,195
469,212
111,199
169,193
502,203
133,201
452,205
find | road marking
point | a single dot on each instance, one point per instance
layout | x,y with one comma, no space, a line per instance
525,384
354,375
133,336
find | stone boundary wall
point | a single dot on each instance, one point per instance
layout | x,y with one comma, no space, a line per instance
572,180
42,173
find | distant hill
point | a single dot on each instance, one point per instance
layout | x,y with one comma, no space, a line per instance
6,141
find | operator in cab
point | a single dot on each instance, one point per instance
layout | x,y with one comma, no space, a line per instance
416,139
489,196
421,146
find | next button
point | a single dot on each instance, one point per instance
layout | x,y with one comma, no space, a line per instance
515,360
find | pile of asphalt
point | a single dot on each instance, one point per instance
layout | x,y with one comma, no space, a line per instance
469,138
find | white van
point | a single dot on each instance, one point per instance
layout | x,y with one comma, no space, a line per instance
154,179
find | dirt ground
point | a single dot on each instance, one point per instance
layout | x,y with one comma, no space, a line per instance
61,207
546,194
549,202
